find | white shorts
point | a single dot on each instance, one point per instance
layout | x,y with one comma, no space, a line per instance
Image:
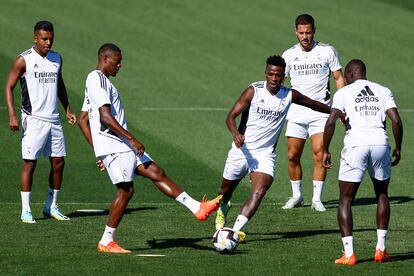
121,166
356,160
41,138
305,129
238,164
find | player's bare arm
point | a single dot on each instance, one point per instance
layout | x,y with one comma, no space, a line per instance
301,99
397,131
17,70
339,79
84,126
86,131
63,98
327,136
239,106
108,120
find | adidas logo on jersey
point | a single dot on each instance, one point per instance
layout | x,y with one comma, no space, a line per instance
366,95
36,66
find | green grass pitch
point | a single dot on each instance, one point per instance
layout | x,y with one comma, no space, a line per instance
185,63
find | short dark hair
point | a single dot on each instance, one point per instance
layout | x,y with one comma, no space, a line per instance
276,61
357,66
305,19
43,25
108,47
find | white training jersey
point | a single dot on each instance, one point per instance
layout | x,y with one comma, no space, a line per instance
262,122
309,74
100,91
39,85
365,104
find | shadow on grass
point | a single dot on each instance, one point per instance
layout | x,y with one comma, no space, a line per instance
297,234
184,243
394,257
105,212
330,204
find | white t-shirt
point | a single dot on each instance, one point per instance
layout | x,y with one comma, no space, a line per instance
39,85
98,92
263,121
309,74
365,104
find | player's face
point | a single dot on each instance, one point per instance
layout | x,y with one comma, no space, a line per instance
113,63
43,42
274,77
305,34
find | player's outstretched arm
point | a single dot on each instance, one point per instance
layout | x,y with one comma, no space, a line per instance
299,98
17,70
109,121
239,106
397,131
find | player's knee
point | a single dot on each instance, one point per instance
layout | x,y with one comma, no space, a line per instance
293,158
58,164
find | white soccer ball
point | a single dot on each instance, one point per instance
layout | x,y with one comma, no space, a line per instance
225,240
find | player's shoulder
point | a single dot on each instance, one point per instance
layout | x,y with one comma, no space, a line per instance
27,52
291,51
320,46
258,84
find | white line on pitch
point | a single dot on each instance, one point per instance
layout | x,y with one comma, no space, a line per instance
205,109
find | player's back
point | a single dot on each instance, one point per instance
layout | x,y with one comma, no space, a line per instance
365,104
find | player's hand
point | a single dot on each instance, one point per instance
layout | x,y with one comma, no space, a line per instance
137,146
396,153
101,165
13,123
326,160
238,140
71,118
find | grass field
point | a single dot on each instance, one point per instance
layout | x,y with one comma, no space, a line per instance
185,63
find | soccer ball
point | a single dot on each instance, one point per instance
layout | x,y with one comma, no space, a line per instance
225,240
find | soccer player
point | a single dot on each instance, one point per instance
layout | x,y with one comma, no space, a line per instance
39,70
264,106
104,126
366,147
309,65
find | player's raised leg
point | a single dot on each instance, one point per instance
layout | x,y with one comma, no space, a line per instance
157,175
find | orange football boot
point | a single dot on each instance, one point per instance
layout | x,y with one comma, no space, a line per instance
112,247
346,260
381,256
207,207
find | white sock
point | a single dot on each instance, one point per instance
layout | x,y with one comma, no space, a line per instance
381,239
240,222
348,245
188,202
317,190
52,198
296,188
108,235
25,201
